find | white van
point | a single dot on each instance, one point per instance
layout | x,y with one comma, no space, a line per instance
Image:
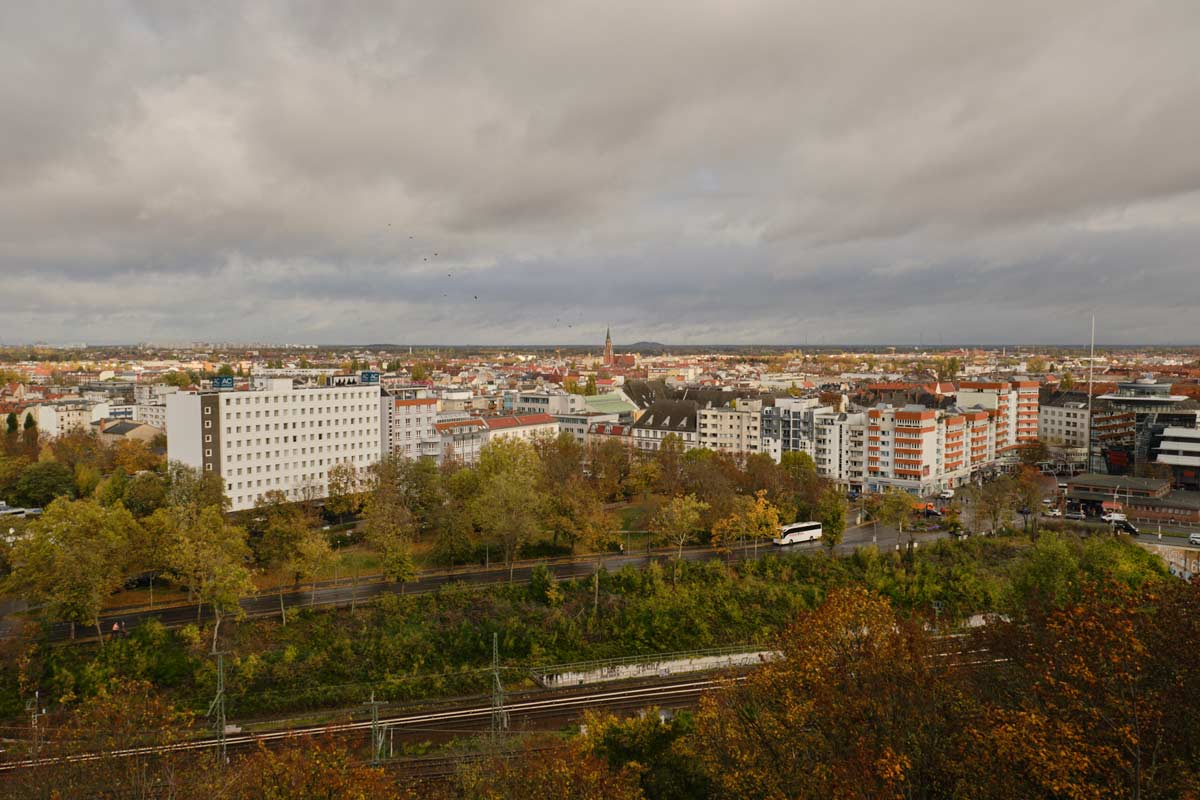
798,532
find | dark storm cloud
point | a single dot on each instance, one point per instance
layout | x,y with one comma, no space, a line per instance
759,171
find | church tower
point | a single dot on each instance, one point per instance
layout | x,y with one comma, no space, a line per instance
608,353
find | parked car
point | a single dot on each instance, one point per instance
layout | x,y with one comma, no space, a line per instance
947,494
1052,512
1113,516
1194,538
1078,515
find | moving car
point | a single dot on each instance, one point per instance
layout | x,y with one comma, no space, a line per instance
798,532
1052,512
1125,526
1113,516
1075,515
1194,538
947,494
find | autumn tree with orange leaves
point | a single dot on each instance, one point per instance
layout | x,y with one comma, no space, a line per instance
1100,698
855,708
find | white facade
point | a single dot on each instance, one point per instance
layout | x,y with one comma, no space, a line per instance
549,403
1180,447
55,419
732,429
152,414
1064,426
838,448
407,424
578,425
152,393
275,438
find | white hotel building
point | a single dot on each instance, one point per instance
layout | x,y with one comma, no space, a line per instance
275,436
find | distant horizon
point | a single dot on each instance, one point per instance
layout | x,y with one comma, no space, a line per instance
599,346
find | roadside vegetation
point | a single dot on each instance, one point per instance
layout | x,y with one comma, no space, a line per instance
436,645
1083,689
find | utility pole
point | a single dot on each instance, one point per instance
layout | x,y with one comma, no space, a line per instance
499,715
36,706
376,732
216,709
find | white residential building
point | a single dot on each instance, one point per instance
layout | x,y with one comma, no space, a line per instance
1064,425
152,393
64,416
735,428
839,446
549,403
1014,404
275,436
407,423
579,424
152,414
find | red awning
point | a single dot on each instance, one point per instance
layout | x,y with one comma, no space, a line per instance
1108,505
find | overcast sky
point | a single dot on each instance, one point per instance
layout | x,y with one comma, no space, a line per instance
688,172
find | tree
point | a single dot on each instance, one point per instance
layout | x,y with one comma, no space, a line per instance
344,487
289,543
177,378
134,456
1100,704
677,523
126,731
1027,496
74,558
387,523
11,469
611,468
561,459
855,707
1066,382
831,511
996,500
754,519
654,747
669,458
508,510
549,772
894,509
225,371
144,494
189,490
644,474
318,767
41,482
11,425
209,556
1034,452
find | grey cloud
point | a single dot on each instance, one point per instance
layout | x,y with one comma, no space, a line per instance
761,171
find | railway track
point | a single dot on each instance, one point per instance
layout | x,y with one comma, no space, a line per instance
473,718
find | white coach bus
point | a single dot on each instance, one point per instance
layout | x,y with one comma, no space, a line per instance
798,532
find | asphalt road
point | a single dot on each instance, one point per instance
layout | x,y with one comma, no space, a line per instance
344,593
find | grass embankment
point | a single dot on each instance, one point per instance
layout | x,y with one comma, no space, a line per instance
437,645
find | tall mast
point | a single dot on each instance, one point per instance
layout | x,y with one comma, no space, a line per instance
1091,368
